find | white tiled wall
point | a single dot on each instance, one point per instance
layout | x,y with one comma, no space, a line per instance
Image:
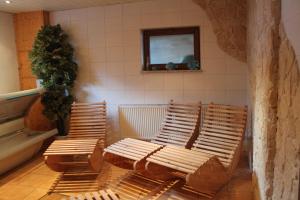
291,21
107,41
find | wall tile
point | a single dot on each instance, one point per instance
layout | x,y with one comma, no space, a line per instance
173,81
113,24
193,81
216,96
114,69
236,82
235,67
154,81
82,57
60,17
212,50
192,18
130,9
170,5
97,54
114,96
214,66
132,53
237,97
132,22
176,95
96,13
132,68
134,82
154,96
114,54
114,38
132,38
98,68
171,19
150,7
152,20
195,96
115,82
134,97
78,14
215,82
113,11
96,27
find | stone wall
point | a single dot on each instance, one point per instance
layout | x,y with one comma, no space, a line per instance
229,21
263,41
287,162
274,78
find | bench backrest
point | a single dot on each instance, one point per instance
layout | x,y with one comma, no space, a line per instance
222,133
88,121
180,126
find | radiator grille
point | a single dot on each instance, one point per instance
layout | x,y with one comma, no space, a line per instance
141,121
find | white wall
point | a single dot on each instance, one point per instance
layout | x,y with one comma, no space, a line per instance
291,20
107,41
9,78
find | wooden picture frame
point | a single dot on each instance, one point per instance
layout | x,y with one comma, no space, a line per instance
148,33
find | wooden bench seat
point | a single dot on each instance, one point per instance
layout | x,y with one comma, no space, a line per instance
135,150
178,158
71,147
180,127
210,163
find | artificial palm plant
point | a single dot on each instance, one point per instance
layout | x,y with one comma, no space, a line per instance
53,63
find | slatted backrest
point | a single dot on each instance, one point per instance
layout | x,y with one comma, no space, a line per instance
222,132
88,120
180,126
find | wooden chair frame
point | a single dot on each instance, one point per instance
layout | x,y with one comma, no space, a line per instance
215,154
85,141
180,127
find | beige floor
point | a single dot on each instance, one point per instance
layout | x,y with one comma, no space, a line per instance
32,181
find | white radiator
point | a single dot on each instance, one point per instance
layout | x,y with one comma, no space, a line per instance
141,121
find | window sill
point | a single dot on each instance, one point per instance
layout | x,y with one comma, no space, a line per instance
170,71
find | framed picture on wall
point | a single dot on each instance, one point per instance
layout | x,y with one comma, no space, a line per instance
171,49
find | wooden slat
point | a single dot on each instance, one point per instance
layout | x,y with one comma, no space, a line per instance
100,195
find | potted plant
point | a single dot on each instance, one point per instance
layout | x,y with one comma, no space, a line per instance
52,63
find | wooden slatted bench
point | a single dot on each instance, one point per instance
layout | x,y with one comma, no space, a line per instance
214,155
180,127
135,150
85,141
100,195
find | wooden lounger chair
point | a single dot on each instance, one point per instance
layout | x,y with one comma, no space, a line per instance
85,141
101,195
214,155
180,127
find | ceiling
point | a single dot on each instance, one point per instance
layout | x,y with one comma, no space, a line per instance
54,5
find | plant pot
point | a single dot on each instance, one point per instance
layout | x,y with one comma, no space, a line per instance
61,127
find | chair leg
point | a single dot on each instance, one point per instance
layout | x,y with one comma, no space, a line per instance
157,171
96,159
209,178
118,161
55,162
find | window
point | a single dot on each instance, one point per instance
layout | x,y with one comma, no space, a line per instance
171,49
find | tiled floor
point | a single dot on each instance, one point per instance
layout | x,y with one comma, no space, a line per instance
32,180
